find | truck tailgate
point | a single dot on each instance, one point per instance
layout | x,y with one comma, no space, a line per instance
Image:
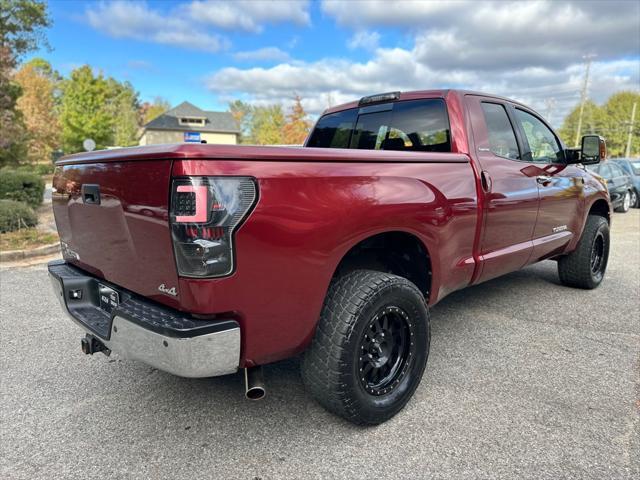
112,218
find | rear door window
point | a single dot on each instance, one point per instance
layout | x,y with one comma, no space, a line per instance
334,130
415,125
371,131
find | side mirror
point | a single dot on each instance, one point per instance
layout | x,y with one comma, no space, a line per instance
594,149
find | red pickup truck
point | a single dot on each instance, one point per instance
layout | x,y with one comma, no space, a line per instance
204,259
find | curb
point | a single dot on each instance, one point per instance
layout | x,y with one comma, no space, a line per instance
12,255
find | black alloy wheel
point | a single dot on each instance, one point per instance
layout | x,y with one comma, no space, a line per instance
386,351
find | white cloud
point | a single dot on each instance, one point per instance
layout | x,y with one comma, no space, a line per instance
186,25
365,40
493,35
336,80
249,15
262,55
126,19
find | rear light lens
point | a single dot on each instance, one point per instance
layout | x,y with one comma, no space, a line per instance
205,211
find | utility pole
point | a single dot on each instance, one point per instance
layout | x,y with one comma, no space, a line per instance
551,105
583,96
627,152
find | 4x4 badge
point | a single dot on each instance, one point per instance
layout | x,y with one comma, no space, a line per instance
168,291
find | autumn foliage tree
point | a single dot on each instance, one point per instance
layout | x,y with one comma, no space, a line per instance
297,127
151,110
38,107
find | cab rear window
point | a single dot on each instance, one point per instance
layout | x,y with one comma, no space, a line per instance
415,125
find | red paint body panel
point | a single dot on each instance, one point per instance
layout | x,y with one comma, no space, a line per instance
307,218
313,206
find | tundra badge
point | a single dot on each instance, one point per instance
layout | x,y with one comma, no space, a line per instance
169,291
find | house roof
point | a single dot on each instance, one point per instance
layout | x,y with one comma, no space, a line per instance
214,121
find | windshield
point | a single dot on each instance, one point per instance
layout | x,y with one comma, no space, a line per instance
416,125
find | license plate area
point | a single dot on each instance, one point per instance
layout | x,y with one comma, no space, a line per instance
109,298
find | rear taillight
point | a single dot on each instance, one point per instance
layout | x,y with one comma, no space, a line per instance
205,212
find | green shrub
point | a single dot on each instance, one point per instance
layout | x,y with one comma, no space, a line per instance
16,215
43,168
21,186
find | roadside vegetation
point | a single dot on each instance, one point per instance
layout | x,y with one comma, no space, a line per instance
26,239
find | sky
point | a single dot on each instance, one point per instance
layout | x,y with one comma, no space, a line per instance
330,52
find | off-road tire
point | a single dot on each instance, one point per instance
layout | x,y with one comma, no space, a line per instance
330,367
577,268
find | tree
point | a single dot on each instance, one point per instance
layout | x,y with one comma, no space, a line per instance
266,125
614,126
123,106
85,111
37,105
149,111
242,113
590,121
261,125
297,128
21,26
610,121
13,134
99,108
21,31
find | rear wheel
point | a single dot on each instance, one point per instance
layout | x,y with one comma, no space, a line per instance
586,265
626,203
370,348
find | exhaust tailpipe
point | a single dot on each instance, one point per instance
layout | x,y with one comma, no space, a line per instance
254,383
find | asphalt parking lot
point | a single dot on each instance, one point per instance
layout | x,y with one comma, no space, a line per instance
526,379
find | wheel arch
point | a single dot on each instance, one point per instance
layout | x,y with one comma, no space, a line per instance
601,208
398,252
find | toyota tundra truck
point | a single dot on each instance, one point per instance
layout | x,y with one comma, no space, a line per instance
202,260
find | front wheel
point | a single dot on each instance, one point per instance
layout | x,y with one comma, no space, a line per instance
626,203
370,348
585,266
635,199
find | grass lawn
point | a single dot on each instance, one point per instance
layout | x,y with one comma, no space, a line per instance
25,238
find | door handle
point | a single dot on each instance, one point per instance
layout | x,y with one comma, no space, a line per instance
543,179
485,179
91,194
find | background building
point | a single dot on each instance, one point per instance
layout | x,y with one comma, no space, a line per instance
188,123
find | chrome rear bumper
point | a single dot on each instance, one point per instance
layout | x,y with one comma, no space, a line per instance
144,331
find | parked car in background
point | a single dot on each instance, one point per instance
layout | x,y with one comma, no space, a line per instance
631,166
619,184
